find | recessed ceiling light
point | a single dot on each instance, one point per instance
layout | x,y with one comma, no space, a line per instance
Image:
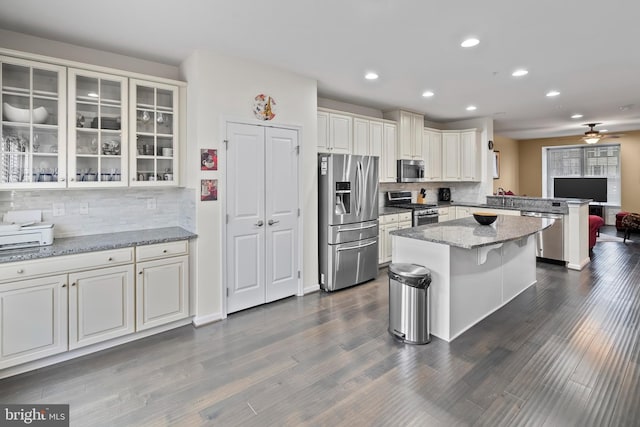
470,42
471,108
371,76
552,93
92,94
519,73
577,116
427,94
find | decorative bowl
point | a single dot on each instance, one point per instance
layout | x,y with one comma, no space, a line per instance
14,114
485,218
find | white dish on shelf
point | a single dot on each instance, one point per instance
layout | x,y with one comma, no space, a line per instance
14,114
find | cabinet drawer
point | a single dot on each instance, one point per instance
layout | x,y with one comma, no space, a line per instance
162,250
405,216
388,219
64,264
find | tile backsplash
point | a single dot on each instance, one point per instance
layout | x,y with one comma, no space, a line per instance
472,192
110,210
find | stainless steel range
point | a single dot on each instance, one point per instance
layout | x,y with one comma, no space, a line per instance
422,213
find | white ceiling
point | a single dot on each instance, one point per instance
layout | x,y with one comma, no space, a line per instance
586,49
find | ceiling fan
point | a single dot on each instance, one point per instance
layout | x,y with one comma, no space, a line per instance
592,136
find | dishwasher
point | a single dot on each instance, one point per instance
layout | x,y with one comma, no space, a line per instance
550,241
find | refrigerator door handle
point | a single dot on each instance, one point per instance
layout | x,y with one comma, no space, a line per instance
356,247
357,229
360,185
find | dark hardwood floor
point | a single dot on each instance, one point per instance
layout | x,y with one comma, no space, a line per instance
566,352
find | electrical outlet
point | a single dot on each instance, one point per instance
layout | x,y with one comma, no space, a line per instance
151,203
58,209
84,208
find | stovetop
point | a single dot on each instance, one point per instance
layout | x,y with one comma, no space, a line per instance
402,199
413,205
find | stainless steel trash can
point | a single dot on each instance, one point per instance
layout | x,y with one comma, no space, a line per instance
409,303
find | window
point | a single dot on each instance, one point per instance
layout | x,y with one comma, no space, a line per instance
585,161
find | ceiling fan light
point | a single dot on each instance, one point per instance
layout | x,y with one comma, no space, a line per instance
592,139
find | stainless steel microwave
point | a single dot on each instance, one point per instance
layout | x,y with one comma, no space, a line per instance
410,170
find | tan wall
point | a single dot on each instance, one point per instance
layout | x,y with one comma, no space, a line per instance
509,164
530,165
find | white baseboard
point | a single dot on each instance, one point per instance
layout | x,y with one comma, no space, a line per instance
579,266
311,289
205,320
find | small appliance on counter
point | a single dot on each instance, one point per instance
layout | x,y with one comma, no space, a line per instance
444,194
24,229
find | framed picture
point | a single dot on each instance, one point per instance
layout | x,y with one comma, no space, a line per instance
208,189
208,159
496,164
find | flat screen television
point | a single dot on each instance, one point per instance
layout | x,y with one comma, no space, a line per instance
581,188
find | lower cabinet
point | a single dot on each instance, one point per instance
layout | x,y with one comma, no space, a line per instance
89,298
387,224
33,319
101,305
162,292
443,214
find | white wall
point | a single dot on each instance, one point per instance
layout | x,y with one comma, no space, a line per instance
222,87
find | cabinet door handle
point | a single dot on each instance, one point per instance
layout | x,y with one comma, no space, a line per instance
164,251
110,259
20,271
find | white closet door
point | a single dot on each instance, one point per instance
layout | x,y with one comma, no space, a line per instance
245,208
281,213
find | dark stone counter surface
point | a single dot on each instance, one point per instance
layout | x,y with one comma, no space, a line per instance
97,242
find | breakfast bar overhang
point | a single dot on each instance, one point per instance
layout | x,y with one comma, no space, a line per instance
475,269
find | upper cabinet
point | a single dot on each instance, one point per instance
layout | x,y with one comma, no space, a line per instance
98,123
335,133
33,143
460,155
410,132
377,138
432,153
84,128
153,146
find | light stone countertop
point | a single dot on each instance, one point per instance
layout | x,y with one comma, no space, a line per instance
97,242
466,233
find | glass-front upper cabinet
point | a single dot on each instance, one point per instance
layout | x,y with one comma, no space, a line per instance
33,130
154,145
97,129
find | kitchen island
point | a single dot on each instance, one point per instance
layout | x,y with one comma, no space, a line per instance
475,269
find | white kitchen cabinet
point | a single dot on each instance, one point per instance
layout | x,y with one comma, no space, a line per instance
432,153
361,136
450,156
34,134
153,146
376,138
101,305
443,214
464,211
387,224
162,284
33,319
469,156
98,125
388,164
460,155
337,136
410,130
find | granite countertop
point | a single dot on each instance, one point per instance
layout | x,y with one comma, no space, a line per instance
389,210
97,242
468,234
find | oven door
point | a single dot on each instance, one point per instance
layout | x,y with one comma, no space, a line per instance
424,219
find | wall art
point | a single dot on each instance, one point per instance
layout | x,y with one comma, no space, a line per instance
208,159
208,189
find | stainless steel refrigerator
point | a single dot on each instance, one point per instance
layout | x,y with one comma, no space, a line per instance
348,219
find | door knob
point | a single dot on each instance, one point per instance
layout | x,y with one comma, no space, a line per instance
260,223
271,222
